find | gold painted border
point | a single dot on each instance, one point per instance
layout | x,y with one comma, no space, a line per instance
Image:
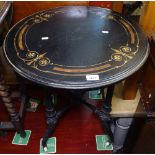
33,62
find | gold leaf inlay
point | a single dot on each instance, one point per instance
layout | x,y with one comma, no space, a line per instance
81,70
20,41
130,30
36,59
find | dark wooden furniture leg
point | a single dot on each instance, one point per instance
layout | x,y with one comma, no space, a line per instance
6,98
104,112
52,117
117,135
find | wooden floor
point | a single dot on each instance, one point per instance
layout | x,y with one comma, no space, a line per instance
75,133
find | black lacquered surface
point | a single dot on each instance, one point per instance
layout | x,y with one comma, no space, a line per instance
62,47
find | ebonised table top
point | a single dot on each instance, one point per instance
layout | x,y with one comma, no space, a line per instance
76,47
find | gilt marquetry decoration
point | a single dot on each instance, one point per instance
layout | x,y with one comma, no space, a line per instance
73,42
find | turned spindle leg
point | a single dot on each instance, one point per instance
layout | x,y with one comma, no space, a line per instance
6,98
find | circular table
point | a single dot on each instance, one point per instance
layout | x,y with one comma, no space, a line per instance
76,48
63,47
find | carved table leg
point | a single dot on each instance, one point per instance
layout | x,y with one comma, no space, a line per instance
52,117
104,113
6,98
106,122
119,133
